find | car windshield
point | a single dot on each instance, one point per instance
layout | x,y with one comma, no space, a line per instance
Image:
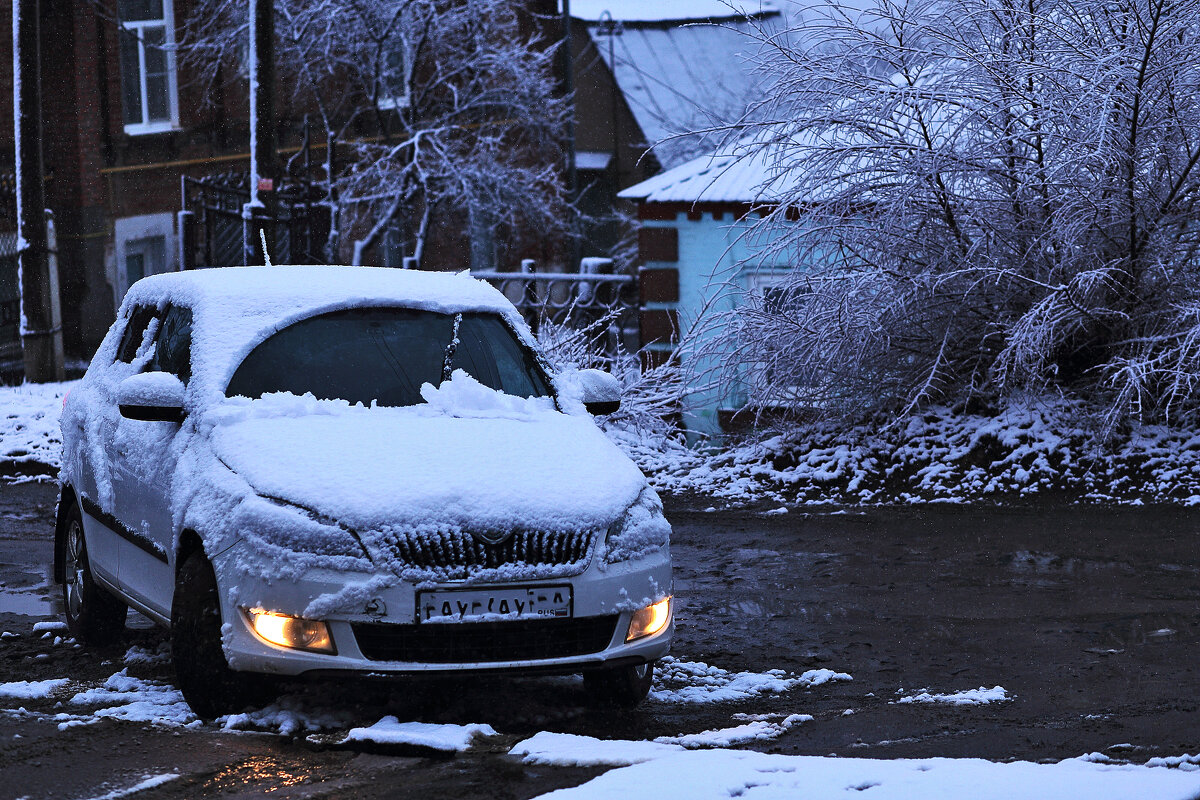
384,355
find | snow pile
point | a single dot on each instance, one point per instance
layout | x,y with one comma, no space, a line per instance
969,697
288,716
573,750
31,690
144,655
758,728
30,438
448,738
678,681
941,455
667,773
125,697
464,396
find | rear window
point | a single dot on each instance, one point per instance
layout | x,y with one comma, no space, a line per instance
384,355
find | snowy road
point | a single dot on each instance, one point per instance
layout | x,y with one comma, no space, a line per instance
996,635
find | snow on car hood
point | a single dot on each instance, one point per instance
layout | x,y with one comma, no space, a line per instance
470,458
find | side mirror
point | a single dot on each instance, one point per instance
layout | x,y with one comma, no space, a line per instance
599,391
151,397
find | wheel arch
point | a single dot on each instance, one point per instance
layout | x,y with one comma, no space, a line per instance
189,542
66,495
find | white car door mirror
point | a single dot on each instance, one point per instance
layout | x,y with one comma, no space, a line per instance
600,392
151,397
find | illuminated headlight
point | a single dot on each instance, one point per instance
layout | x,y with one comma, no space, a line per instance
293,632
649,620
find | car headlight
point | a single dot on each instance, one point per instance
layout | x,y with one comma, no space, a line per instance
649,620
292,632
641,531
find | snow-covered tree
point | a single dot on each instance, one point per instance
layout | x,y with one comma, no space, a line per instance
982,198
431,107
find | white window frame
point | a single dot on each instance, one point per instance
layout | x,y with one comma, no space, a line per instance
757,283
137,27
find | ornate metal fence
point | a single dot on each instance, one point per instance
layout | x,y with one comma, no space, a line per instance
605,302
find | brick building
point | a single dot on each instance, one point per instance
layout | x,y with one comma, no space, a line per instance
122,124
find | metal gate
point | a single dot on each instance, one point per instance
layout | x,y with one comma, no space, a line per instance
213,222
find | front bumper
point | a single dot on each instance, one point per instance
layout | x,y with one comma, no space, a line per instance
363,610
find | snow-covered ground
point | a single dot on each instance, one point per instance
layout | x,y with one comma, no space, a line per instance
30,438
664,771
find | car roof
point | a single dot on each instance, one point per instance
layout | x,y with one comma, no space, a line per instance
234,308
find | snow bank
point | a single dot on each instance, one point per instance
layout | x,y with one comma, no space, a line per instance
678,681
969,697
669,773
1020,453
132,699
448,738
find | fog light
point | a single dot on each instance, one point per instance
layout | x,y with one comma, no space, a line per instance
293,632
649,620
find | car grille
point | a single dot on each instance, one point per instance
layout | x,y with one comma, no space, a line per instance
459,549
481,642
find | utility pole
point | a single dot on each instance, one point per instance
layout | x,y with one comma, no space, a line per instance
572,176
261,210
41,321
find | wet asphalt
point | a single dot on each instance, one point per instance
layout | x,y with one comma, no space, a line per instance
1089,618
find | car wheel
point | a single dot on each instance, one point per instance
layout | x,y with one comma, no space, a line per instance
202,673
619,687
94,616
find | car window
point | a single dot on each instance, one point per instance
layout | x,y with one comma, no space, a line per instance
384,355
489,352
135,332
173,345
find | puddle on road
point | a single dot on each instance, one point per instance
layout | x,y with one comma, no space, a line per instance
28,598
24,603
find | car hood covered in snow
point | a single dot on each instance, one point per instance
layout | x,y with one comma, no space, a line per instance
520,467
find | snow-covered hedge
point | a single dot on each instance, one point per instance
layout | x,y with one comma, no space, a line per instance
1023,454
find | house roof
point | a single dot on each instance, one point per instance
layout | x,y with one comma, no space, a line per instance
745,173
681,74
658,11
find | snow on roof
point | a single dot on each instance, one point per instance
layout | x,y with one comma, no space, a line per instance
234,308
681,78
745,173
635,11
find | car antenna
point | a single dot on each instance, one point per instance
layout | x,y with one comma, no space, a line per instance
262,237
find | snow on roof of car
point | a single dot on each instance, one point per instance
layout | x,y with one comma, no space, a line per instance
234,308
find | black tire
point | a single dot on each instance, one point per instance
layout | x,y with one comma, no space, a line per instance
619,687
94,617
202,673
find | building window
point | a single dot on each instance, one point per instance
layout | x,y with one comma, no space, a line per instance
393,76
148,85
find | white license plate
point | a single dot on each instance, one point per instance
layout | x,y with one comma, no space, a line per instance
496,604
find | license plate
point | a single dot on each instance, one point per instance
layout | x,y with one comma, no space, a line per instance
497,604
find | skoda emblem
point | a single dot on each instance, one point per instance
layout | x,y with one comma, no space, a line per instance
491,537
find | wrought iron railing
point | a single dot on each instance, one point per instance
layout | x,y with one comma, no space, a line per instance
605,302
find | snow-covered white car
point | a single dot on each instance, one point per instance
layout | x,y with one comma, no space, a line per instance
344,470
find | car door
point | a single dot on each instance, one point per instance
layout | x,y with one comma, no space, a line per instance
102,531
144,463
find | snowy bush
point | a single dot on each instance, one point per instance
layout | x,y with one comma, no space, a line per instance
985,199
650,398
